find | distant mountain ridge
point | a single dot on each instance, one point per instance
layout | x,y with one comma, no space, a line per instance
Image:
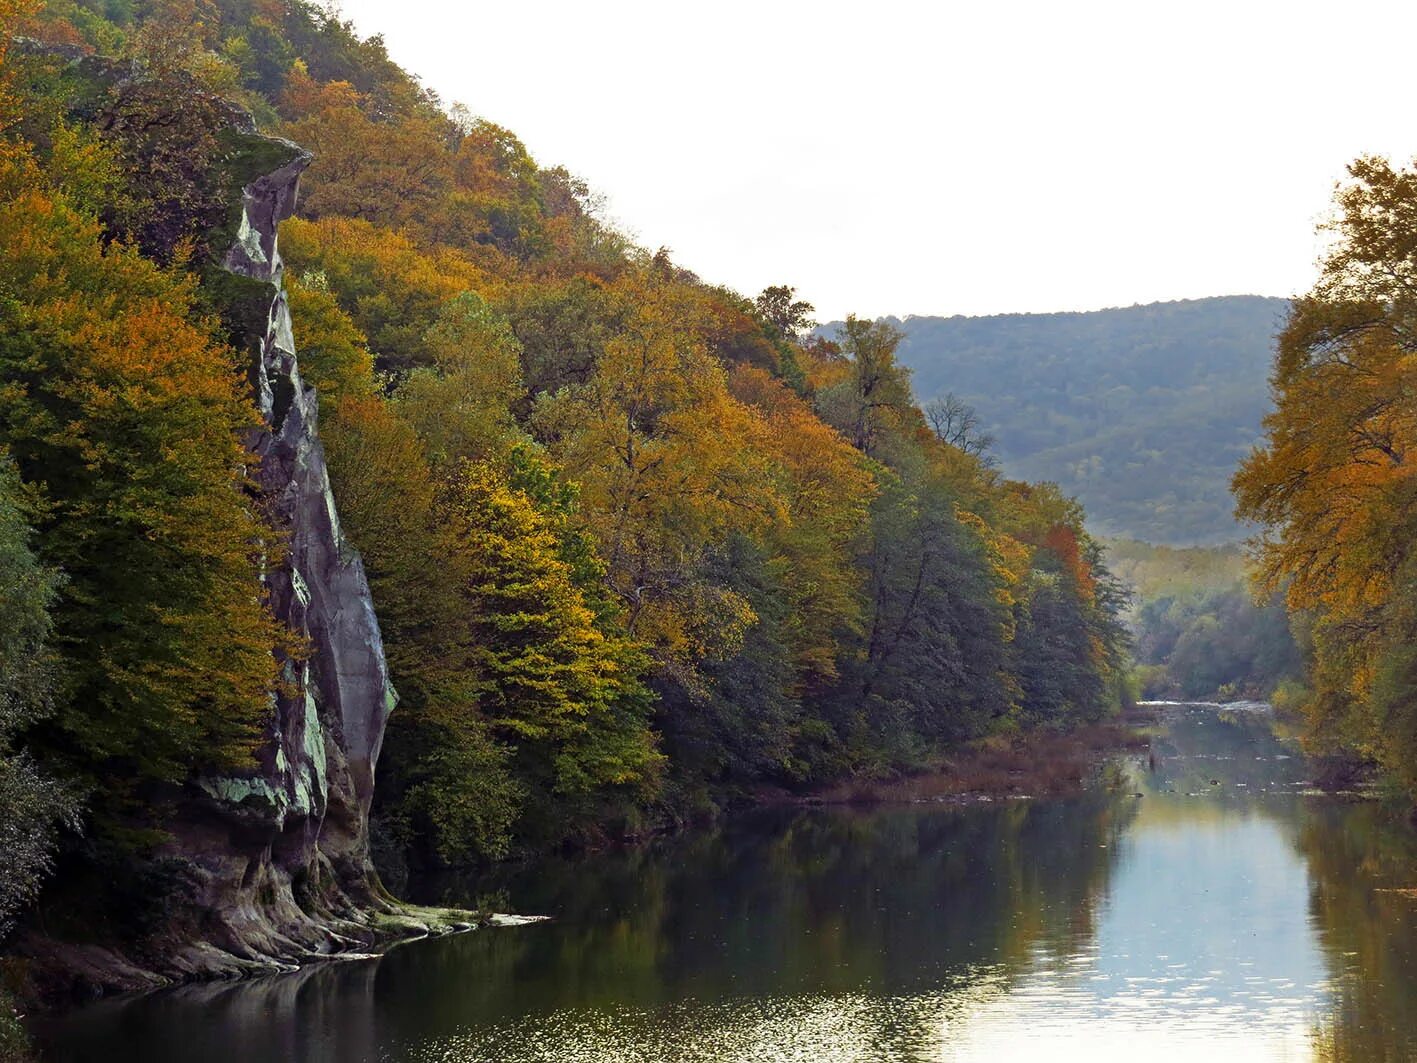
1142,412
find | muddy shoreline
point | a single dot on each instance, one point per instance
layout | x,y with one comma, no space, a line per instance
1034,764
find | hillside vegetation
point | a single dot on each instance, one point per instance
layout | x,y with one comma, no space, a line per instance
1141,412
1197,629
638,545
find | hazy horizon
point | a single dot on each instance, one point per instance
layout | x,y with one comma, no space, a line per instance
1082,310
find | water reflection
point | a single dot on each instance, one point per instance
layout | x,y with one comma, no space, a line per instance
1204,946
1220,913
1363,864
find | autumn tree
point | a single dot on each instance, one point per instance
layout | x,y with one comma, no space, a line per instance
736,334
385,172
125,414
565,693
661,449
1333,483
497,197
391,289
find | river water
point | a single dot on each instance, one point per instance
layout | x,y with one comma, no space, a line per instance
1208,909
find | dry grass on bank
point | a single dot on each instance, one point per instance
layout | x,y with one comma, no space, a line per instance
1038,764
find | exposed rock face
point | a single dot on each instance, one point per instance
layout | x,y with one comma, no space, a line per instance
272,867
343,695
279,858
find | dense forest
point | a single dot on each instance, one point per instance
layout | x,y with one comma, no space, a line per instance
1140,412
1197,630
638,545
1333,483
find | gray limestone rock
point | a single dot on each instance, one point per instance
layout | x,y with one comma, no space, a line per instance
280,857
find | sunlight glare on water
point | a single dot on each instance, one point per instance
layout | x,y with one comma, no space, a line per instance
975,1023
853,1028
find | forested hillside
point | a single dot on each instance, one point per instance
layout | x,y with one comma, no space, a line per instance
637,544
1141,412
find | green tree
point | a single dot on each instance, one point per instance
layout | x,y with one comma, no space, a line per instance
445,788
790,317
121,409
334,353
929,668
32,804
562,328
461,405
871,405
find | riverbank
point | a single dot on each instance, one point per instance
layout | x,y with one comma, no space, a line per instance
1028,765
47,974
1025,765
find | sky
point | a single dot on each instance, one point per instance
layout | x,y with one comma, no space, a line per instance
889,157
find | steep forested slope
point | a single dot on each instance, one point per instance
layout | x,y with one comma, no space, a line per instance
1141,412
635,544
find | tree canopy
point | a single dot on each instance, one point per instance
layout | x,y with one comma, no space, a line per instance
1333,485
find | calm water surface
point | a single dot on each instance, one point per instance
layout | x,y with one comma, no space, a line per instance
1221,915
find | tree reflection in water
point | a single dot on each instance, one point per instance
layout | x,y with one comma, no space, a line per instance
1222,909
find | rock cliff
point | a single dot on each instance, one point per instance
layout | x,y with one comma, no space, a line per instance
280,856
270,868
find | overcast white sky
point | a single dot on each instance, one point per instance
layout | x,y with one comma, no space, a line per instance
891,157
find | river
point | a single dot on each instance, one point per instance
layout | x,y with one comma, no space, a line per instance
1209,908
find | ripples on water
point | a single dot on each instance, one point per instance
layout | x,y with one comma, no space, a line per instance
982,1019
848,1027
1207,910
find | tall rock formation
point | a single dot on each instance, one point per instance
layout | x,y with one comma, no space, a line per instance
265,869
281,854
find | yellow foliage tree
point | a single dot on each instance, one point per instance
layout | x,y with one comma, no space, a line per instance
825,489
1334,484
664,454
123,411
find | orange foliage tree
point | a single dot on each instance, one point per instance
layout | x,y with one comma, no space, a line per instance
1334,484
